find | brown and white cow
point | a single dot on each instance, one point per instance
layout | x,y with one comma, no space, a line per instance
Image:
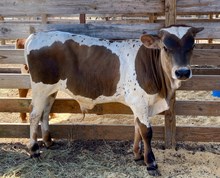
142,74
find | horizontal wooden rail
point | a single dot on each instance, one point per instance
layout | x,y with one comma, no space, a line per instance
107,31
197,7
195,108
10,70
204,56
15,81
110,132
202,82
197,82
12,56
33,7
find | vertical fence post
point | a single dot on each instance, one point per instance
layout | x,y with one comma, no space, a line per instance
2,42
82,18
170,117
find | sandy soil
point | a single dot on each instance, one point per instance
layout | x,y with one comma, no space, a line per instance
110,159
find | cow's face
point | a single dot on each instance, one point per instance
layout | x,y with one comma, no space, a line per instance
176,44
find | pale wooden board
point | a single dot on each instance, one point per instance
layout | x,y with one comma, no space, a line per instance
37,7
194,108
204,56
110,132
197,6
107,31
197,82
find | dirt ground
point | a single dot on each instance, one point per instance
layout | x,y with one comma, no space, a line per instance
105,159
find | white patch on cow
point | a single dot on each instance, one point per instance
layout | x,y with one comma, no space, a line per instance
177,31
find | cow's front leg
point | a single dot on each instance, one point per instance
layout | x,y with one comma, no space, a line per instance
149,158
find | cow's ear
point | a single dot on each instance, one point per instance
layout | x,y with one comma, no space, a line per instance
150,41
196,30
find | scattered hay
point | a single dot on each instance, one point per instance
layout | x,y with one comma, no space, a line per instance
101,159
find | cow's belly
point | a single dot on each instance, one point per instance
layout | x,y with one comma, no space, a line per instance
88,103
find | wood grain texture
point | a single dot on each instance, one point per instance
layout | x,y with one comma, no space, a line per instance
197,82
16,81
12,56
110,132
198,6
203,56
106,31
68,105
37,7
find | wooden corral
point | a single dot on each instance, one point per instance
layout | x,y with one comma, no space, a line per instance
113,20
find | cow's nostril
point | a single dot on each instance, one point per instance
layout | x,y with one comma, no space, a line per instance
183,73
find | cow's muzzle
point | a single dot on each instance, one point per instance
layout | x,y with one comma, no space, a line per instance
183,73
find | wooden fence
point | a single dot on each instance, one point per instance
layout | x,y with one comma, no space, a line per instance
113,20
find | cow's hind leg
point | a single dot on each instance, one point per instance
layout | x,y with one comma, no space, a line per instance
149,158
45,120
38,105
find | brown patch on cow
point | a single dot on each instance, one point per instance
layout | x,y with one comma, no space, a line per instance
91,71
149,71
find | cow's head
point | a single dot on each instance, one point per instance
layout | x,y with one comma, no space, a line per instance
176,44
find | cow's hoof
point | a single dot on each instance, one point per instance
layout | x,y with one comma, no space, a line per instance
35,151
35,155
153,171
140,161
49,144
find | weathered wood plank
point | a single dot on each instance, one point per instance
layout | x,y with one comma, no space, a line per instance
81,132
13,56
197,82
211,29
37,7
194,108
10,70
198,108
15,81
108,31
202,82
198,6
206,71
105,132
200,56
206,57
198,134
